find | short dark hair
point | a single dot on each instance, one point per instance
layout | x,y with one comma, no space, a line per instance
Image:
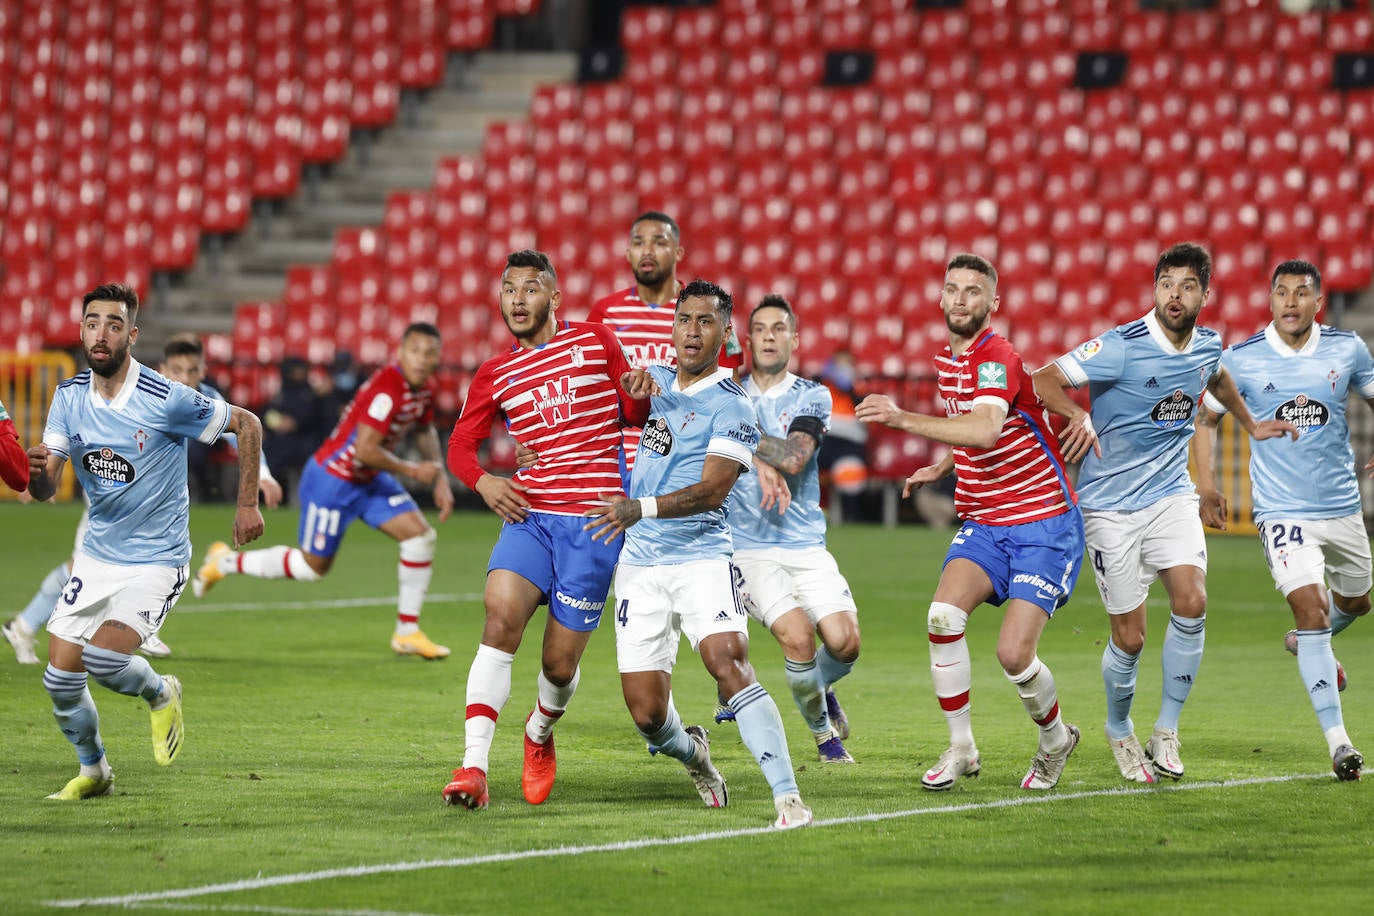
528,257
187,344
775,301
1298,268
658,217
967,261
1189,255
421,327
705,289
113,292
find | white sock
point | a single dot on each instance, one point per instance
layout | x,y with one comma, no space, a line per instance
270,563
553,702
413,575
1036,688
951,669
487,692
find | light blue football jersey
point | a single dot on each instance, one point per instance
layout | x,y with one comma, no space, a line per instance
711,417
130,456
1315,476
1144,399
803,524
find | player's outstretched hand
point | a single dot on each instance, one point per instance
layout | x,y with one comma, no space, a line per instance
248,525
504,497
1079,436
922,476
774,487
609,520
878,408
1272,429
38,460
427,472
639,384
443,497
1212,509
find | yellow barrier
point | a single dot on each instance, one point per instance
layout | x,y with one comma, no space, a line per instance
27,381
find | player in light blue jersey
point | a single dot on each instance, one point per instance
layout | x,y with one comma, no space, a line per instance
675,576
125,429
1305,495
183,360
792,584
1142,517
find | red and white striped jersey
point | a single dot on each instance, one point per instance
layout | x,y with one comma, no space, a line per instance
1021,478
564,401
388,404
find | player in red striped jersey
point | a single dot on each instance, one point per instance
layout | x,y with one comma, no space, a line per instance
642,315
1021,542
350,477
558,389
14,461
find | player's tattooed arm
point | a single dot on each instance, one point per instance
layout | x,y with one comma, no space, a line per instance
1224,389
617,513
788,455
248,523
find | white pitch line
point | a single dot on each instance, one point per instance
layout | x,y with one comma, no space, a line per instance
355,871
185,607
275,910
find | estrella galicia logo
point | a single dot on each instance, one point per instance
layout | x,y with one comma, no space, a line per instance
657,438
108,468
1173,411
1307,414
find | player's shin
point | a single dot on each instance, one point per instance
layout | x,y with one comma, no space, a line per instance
950,668
75,712
761,729
488,689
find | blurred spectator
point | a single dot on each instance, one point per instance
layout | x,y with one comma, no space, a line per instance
296,422
843,454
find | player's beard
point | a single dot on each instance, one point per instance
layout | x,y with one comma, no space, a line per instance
1183,325
653,276
539,318
110,365
966,327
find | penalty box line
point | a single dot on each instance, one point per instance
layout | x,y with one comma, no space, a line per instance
356,871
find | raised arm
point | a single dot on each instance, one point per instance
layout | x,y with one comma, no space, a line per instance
1223,388
979,428
1051,386
618,513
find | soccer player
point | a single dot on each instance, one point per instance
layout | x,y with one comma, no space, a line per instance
350,477
14,461
792,584
642,315
1021,541
1305,495
675,576
125,427
183,361
1142,516
558,390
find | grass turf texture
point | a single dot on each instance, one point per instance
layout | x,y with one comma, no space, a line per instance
312,749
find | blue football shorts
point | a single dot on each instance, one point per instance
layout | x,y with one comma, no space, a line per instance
1035,561
571,570
329,505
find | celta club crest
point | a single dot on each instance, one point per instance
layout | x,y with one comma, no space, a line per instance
691,415
140,437
553,401
1333,376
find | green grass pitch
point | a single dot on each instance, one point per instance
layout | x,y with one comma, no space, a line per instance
310,779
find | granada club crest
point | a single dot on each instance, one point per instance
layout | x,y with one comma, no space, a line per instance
578,359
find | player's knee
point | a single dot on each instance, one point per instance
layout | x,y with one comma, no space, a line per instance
1191,604
419,549
559,671
1015,658
797,643
64,687
1132,642
845,648
945,619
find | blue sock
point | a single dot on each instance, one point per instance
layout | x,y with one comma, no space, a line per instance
1183,641
75,712
1317,667
1339,618
808,690
832,669
40,606
760,727
672,739
1118,674
130,675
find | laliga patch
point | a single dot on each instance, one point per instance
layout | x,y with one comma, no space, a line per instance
1088,349
1174,411
1307,414
657,438
992,375
108,468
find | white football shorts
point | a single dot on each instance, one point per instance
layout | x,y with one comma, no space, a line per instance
657,605
1313,551
137,596
778,579
1128,549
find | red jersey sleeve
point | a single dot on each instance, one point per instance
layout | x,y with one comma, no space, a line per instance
474,425
379,400
996,371
14,461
